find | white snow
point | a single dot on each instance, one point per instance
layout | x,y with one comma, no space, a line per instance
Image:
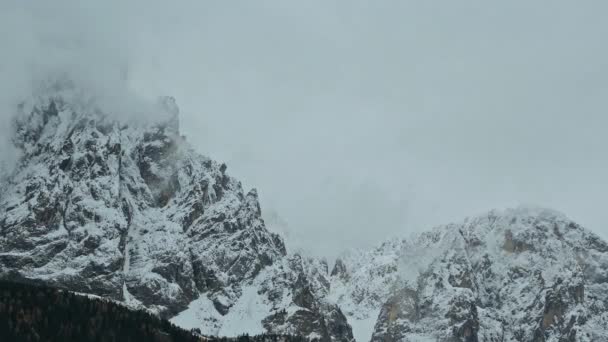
200,314
363,329
244,317
247,314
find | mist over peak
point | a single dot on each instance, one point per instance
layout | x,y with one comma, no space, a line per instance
70,52
50,48
378,118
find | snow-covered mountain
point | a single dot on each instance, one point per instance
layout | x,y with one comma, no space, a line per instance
129,211
524,274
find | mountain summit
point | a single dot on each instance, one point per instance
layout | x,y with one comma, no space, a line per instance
131,212
524,274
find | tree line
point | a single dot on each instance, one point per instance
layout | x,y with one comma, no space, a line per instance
33,312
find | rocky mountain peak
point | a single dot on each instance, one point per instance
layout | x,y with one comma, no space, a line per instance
127,210
523,274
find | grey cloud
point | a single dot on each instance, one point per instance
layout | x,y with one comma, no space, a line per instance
361,120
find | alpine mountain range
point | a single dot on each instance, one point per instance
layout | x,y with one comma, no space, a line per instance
128,210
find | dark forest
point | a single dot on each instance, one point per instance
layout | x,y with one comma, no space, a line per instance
35,312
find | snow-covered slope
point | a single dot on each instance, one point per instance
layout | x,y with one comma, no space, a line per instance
524,274
130,212
361,281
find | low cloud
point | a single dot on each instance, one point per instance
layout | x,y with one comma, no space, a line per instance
356,120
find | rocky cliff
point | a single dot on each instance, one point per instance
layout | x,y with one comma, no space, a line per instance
129,211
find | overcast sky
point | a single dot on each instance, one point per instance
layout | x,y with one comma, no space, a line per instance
362,120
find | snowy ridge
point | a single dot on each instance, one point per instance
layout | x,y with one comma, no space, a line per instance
524,274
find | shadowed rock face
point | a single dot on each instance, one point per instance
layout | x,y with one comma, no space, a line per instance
132,213
400,308
340,270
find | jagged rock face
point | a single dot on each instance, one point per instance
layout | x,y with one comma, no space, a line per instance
288,297
518,275
362,281
132,213
301,282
